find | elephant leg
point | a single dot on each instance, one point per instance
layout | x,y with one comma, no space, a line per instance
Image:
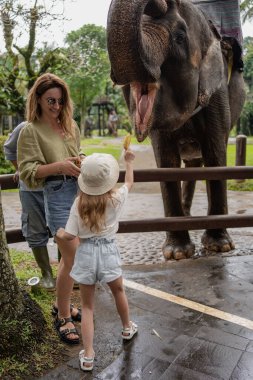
217,240
188,188
178,244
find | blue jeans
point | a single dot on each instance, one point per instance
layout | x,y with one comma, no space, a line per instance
59,196
33,218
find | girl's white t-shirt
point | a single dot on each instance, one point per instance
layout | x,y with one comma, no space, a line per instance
76,227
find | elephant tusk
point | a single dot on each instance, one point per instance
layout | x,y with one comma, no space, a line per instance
197,109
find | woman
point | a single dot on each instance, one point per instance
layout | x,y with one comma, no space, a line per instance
48,157
33,218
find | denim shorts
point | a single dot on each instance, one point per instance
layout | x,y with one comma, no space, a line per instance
33,218
96,260
59,196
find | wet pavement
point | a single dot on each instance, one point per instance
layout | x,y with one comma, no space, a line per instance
194,316
175,341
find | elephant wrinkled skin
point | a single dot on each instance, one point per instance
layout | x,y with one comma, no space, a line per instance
170,62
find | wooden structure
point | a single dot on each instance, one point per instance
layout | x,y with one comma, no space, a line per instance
168,223
100,109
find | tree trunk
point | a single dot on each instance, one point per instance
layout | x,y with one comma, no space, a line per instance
22,322
10,295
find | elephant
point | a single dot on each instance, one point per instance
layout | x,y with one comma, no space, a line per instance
184,91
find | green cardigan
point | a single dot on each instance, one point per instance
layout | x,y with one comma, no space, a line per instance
38,144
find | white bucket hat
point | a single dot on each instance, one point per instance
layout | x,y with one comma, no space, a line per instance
99,174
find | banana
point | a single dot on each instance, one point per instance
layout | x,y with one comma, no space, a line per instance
127,141
78,163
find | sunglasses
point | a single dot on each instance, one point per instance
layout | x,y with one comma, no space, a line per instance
53,101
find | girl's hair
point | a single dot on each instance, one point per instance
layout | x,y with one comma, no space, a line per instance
41,85
91,209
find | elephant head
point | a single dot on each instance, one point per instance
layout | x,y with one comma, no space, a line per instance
167,58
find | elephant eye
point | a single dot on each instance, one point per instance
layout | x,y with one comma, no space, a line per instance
179,37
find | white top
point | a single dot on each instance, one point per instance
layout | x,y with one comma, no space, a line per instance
114,208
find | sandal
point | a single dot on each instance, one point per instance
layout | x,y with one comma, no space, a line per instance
77,317
129,332
63,334
86,364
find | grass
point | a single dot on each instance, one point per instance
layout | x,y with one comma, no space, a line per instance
246,185
231,155
108,144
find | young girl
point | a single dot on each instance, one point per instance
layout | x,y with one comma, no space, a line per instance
94,218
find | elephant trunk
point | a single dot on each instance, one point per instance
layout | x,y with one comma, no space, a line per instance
130,37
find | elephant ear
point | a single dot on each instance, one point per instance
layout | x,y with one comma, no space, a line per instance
211,73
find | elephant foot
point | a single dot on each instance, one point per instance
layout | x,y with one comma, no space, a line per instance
217,240
177,252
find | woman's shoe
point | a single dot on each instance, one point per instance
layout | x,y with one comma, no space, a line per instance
129,332
63,334
77,317
86,364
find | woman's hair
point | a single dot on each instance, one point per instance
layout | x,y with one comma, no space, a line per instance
41,85
91,209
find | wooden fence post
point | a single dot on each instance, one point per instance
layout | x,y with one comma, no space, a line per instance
241,144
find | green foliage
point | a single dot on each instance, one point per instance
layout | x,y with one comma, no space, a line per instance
21,65
52,60
11,100
5,166
248,62
89,60
246,7
246,119
116,96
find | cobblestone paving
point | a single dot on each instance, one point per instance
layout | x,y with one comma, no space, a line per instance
146,248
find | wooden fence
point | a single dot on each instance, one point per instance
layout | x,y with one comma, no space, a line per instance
169,223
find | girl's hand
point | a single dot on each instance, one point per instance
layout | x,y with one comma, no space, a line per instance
129,155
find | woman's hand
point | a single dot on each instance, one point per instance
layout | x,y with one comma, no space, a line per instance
16,177
69,167
60,233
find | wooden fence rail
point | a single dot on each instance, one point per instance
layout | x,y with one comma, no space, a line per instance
169,223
